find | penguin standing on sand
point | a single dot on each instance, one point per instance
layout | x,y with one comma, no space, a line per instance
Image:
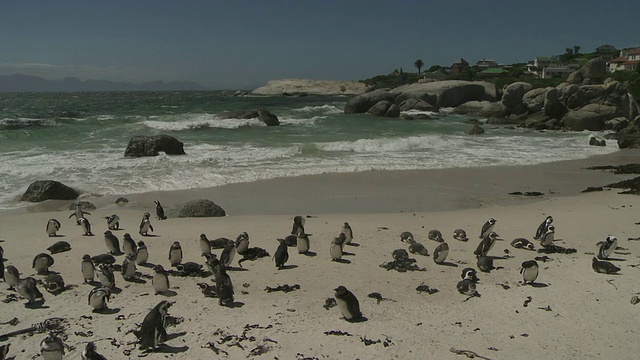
90,353
298,225
607,247
129,267
548,237
348,304
129,245
335,250
486,244
228,253
282,254
205,245
78,213
28,289
52,347
98,298
224,286
303,243
152,332
460,235
175,253
53,226
86,226
440,253
112,242
11,276
142,253
242,243
41,263
160,280
603,267
542,229
88,269
529,271
106,277
113,222
487,228
159,211
145,225
348,233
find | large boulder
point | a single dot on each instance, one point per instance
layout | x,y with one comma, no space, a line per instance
553,107
447,93
470,107
580,120
534,99
263,115
199,208
311,87
493,109
150,146
512,96
361,103
380,108
393,111
268,118
49,190
595,70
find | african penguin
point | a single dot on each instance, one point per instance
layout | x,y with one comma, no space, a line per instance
113,222
59,246
53,226
90,353
608,246
152,332
604,267
11,276
88,269
485,263
145,225
27,288
348,233
407,237
281,255
129,267
41,263
418,248
486,244
466,287
112,242
52,347
205,245
529,271
106,277
460,235
54,283
159,211
435,235
227,255
522,243
303,243
335,250
547,238
98,298
224,286
440,253
470,274
142,253
348,304
129,245
242,243
86,226
542,229
298,225
175,253
78,213
487,228
106,259
160,280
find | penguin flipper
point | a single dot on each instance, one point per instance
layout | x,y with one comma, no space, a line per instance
150,227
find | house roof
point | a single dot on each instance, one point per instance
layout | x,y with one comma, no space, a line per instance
632,62
618,60
635,51
461,61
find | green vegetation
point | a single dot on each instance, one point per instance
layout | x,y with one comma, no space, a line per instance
419,64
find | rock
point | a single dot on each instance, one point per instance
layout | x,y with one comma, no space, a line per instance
580,120
607,111
408,104
593,141
493,109
393,111
49,190
476,130
447,93
455,96
268,118
122,201
263,115
553,107
505,121
513,94
595,69
565,92
87,206
473,122
311,87
240,93
534,99
470,107
575,77
362,103
150,145
424,106
200,208
380,108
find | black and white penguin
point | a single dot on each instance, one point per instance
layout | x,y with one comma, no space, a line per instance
224,286
112,242
291,240
129,267
152,332
106,259
159,211
303,243
470,274
28,289
98,298
208,290
529,271
205,244
53,226
242,243
211,262
88,269
607,247
11,276
4,350
407,237
281,255
86,226
129,245
90,353
435,235
160,280
467,287
348,233
52,348
548,237
189,268
175,253
335,250
487,228
113,222
41,263
54,283
400,255
142,253
485,263
418,248
348,304
106,277
59,246
604,267
440,253
486,244
228,253
298,225
542,229
460,235
522,243
145,225
78,213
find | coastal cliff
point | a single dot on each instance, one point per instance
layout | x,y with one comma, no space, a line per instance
311,87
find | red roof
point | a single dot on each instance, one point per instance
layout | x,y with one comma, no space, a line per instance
618,60
635,51
632,62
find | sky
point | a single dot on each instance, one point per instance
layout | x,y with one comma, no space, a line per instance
242,44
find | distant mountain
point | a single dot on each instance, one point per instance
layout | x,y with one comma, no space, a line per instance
28,83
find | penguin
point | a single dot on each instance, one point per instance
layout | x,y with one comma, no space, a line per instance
460,235
175,254
142,253
86,227
152,332
78,213
88,269
224,286
407,237
282,254
208,290
113,222
129,267
348,304
291,240
106,277
227,255
59,246
522,243
54,283
604,267
90,353
435,235
485,263
542,229
418,248
298,225
98,298
27,288
159,211
205,244
4,350
487,228
145,225
189,268
53,226
303,243
348,233
486,244
529,271
400,255
470,274
11,276
335,250
467,287
129,245
112,242
52,347
440,253
607,247
160,280
41,263
547,238
211,262
106,259
242,243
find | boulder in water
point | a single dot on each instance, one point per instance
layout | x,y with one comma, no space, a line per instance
49,190
150,146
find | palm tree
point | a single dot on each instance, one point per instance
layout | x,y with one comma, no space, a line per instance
419,64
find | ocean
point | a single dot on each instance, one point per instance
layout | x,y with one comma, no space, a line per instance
79,139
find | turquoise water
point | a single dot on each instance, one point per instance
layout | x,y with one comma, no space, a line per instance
79,139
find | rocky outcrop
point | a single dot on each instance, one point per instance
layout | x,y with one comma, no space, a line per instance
384,108
594,141
533,100
362,103
512,97
150,146
476,130
199,208
580,120
49,190
263,115
311,87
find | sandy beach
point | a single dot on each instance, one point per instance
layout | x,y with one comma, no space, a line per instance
571,312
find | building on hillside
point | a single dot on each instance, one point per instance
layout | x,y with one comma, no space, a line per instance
556,71
542,62
492,72
628,60
458,66
486,63
607,51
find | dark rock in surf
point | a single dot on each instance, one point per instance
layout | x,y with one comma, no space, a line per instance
150,146
49,190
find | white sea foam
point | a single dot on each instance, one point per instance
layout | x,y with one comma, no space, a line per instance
325,109
20,123
199,121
